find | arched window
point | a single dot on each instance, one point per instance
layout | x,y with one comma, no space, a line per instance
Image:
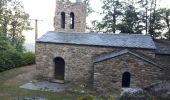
59,68
126,79
62,19
71,20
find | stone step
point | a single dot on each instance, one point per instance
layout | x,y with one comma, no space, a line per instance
58,81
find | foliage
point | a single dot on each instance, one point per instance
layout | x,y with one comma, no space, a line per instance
112,12
87,97
166,21
134,17
5,44
11,58
130,22
163,97
28,58
13,21
111,97
89,9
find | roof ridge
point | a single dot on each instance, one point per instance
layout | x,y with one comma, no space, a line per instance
125,51
99,33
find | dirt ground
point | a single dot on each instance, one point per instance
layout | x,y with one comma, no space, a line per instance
26,73
11,80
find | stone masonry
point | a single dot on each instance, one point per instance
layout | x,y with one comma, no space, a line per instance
79,10
78,59
108,73
98,60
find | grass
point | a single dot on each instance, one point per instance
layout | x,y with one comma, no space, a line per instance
12,79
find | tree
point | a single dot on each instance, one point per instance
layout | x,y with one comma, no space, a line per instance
5,44
13,21
19,23
89,9
11,58
156,26
144,5
130,22
131,16
166,19
112,13
151,17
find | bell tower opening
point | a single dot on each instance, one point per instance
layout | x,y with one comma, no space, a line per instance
71,20
63,20
70,16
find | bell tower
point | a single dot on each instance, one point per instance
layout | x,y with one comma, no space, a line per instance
70,16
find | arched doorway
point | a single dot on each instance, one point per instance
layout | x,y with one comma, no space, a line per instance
59,68
126,79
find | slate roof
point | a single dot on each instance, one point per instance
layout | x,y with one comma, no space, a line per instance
94,39
122,52
162,47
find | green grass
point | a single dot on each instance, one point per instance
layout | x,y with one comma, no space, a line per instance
9,87
11,80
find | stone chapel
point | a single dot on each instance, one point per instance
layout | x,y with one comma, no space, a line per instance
107,62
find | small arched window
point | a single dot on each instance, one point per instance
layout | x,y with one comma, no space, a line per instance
71,20
126,79
62,19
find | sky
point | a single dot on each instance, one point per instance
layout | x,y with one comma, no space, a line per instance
43,10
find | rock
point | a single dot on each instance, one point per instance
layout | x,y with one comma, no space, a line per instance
82,91
132,94
159,88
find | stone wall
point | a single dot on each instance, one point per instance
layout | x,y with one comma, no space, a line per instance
79,10
164,60
78,60
108,74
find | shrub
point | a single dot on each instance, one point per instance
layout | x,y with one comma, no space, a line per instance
28,58
11,59
111,97
87,97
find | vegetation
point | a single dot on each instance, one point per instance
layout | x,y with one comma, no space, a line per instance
13,21
87,97
89,9
11,58
10,82
134,17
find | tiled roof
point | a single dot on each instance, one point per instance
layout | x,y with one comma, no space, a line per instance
109,40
